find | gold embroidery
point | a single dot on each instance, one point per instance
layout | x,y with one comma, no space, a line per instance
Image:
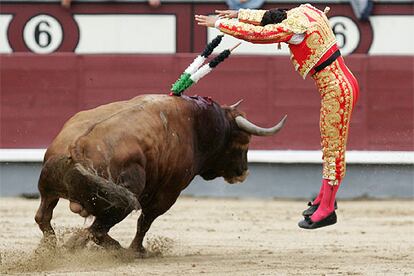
336,109
296,21
313,41
251,16
319,33
294,62
269,33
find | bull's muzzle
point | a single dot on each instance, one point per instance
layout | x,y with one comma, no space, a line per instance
237,179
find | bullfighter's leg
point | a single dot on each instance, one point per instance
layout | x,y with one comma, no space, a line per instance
44,216
148,215
339,91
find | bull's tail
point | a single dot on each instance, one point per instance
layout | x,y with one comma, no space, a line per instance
98,195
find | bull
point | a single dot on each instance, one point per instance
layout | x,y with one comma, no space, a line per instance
139,155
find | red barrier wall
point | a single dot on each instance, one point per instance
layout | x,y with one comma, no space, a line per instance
39,93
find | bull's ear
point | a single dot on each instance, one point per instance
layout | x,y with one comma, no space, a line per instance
234,106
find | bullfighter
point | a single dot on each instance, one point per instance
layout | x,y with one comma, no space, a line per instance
314,52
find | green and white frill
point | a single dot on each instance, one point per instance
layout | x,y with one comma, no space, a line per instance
186,79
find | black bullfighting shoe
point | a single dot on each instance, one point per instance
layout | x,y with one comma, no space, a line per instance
307,223
312,209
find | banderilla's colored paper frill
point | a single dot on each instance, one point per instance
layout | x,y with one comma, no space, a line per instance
181,84
185,80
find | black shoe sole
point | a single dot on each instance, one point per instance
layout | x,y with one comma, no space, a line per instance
307,223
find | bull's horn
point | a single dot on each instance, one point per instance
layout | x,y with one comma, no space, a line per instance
233,106
251,128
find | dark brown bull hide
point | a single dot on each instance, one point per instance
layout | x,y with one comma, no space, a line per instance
140,154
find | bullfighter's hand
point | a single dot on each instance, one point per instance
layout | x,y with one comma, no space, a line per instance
208,21
154,3
227,13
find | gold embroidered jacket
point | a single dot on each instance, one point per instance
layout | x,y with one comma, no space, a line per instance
305,19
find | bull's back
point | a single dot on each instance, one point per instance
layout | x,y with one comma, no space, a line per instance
141,119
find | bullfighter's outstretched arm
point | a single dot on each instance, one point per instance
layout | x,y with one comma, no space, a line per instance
247,26
272,33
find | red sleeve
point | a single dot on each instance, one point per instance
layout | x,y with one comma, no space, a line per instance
272,33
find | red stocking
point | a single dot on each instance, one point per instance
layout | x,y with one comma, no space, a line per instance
318,199
327,204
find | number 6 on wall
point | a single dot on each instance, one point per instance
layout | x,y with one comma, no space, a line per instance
346,32
43,34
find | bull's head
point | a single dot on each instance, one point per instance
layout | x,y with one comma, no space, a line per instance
232,165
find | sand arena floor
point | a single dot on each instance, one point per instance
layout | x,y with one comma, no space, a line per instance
204,236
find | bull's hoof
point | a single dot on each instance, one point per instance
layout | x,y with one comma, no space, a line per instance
78,240
139,252
142,253
47,243
112,246
104,240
